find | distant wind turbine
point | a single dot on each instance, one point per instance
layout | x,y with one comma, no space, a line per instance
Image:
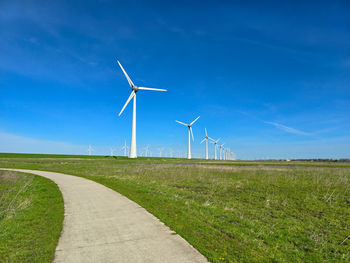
146,150
125,148
206,144
160,152
112,151
135,89
215,147
90,150
190,132
221,147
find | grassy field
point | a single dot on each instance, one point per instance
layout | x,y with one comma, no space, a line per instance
259,212
31,215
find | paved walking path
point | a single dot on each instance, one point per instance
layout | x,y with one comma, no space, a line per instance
100,225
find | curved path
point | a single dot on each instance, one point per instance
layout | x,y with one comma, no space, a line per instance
100,225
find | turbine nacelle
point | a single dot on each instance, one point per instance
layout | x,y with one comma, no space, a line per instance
189,126
134,88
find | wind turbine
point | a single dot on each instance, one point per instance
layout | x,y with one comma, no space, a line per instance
112,151
221,148
215,147
90,149
125,148
135,89
146,150
206,144
190,132
160,152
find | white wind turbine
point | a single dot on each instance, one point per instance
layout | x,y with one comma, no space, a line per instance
215,147
206,144
221,148
146,150
125,148
111,151
160,152
90,149
135,89
190,132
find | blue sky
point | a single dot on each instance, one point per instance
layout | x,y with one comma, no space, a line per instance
271,79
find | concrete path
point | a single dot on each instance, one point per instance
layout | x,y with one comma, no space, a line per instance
100,225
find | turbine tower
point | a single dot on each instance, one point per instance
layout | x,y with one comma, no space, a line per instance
160,152
215,147
125,148
135,89
146,150
190,132
90,149
206,144
221,148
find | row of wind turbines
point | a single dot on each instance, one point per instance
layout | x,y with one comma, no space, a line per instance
148,151
224,153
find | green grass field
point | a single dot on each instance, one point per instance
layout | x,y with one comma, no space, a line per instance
245,212
31,216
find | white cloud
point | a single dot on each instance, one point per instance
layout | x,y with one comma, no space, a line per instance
288,129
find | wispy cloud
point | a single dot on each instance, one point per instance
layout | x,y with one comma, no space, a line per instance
277,125
288,129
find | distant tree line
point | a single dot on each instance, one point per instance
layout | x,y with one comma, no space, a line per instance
324,160
309,160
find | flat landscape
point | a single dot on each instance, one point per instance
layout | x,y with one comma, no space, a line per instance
231,211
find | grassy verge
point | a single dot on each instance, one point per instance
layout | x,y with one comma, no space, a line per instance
31,216
234,214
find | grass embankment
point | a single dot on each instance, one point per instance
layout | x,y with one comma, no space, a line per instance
234,214
31,216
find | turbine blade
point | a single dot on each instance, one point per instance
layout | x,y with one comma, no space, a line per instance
182,123
126,103
206,134
144,88
191,133
211,139
194,120
126,75
218,140
203,140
